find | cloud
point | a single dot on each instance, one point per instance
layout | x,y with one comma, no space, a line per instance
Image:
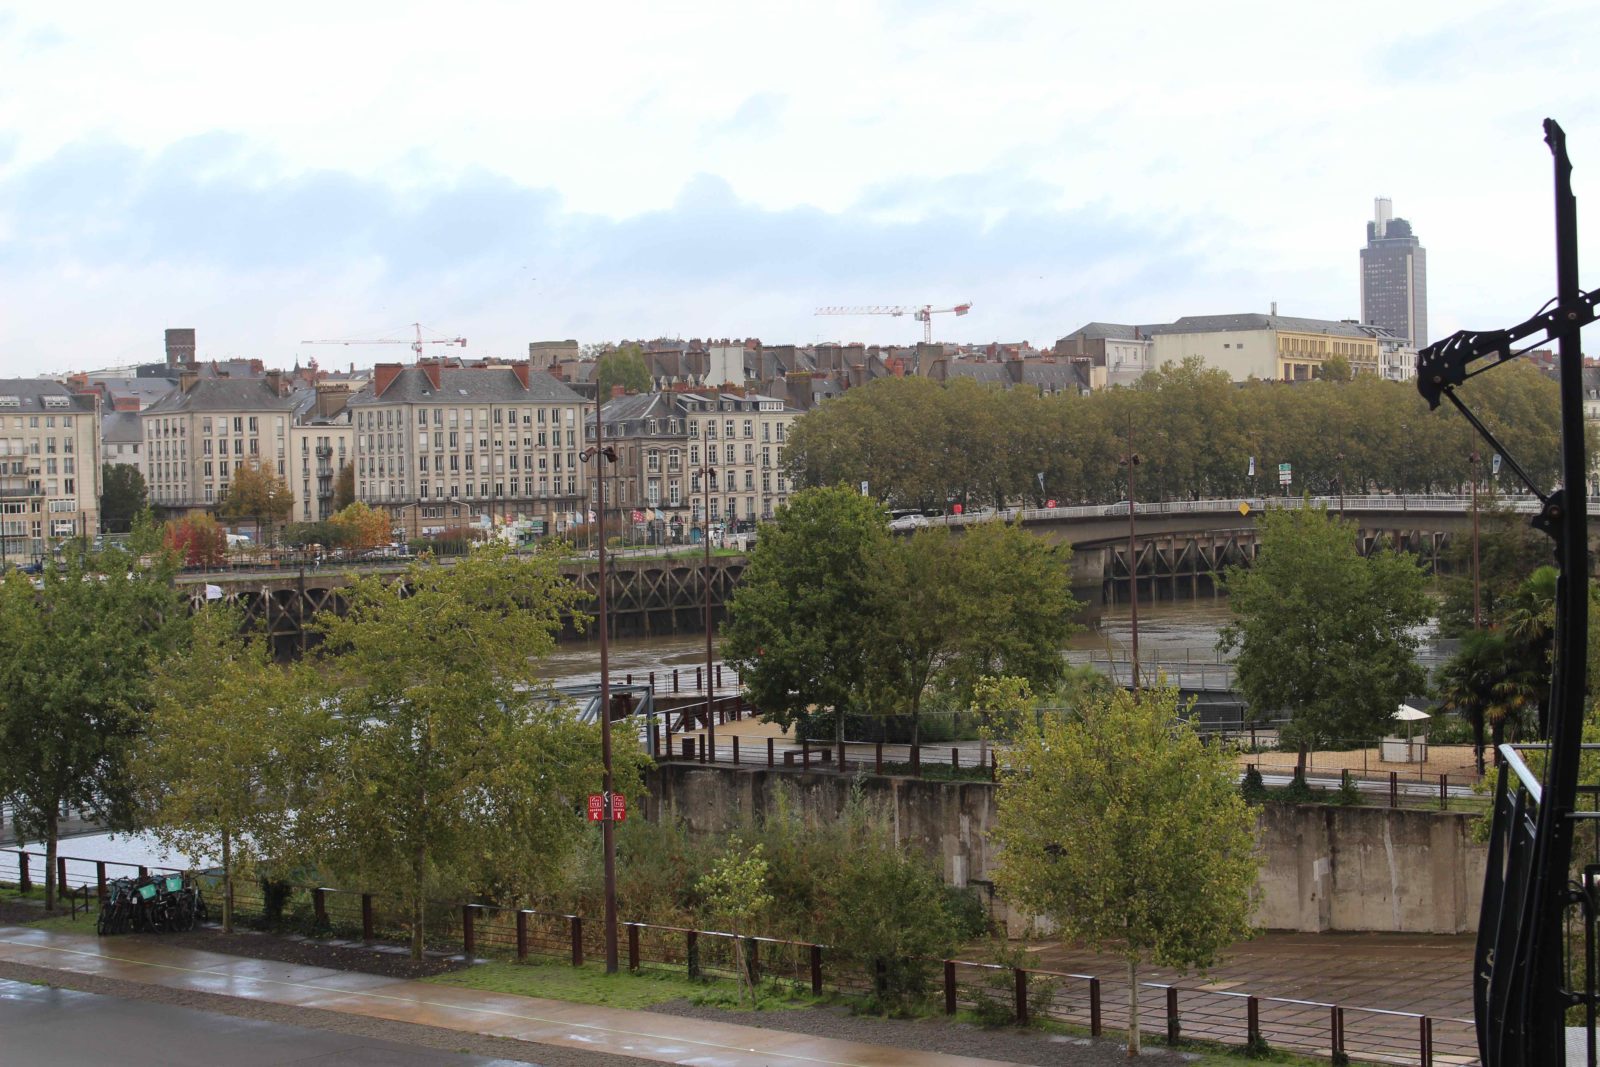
758,115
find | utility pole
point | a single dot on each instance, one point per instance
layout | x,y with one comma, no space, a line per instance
602,455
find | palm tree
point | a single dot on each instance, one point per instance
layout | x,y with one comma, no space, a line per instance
1467,682
1529,623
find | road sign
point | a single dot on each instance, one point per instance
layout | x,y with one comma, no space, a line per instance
863,488
1285,474
1496,463
597,807
1244,508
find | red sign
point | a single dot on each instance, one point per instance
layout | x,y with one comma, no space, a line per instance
957,509
597,807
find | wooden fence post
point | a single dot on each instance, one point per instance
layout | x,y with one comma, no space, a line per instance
816,970
1425,1041
467,940
691,952
1336,1032
24,881
576,922
366,916
1252,1021
1094,1007
949,987
1174,1027
769,752
633,946
319,906
1021,1005
522,934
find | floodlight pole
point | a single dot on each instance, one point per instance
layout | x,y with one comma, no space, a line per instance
608,824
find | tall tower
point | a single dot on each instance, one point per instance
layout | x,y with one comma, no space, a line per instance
1394,276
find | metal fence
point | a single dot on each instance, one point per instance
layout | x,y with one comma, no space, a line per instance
998,992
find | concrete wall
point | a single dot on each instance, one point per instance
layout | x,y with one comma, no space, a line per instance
1325,868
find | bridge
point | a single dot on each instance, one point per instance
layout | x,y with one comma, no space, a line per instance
648,594
1179,548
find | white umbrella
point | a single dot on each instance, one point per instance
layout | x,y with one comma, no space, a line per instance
1408,715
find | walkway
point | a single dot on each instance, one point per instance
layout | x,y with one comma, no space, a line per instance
643,1035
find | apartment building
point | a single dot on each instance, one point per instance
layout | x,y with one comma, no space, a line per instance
322,442
442,444
1270,347
49,466
197,436
662,441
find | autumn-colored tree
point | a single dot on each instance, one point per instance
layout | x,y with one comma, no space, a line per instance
259,495
364,528
197,540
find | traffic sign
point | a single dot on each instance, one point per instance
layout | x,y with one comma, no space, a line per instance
1244,508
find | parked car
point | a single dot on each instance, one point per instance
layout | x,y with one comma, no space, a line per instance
906,523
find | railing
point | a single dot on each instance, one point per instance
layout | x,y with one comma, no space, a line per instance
1225,505
1177,1012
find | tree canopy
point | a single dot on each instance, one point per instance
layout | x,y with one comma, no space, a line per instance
1323,635
195,540
259,495
362,527
926,444
75,657
1129,833
624,367
122,496
453,768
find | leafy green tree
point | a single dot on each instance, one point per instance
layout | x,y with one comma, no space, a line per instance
259,495
122,496
1128,833
228,750
344,487
1509,552
1011,609
912,595
454,769
735,893
796,625
75,657
1323,635
624,367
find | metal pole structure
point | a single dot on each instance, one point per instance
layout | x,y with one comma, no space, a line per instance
608,825
1133,561
711,677
1477,612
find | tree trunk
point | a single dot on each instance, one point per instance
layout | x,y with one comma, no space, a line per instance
227,882
419,863
916,719
1477,740
1300,765
1133,1007
52,829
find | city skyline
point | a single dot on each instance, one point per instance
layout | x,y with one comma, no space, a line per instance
633,173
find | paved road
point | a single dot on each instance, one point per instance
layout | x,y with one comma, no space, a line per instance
43,1025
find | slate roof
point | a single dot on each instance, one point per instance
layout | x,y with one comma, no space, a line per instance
222,394
121,428
468,385
30,393
1111,331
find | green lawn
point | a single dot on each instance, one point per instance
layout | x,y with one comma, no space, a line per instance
591,985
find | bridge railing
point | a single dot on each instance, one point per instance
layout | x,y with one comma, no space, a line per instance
1224,505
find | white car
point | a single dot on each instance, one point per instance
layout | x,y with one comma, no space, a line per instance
908,522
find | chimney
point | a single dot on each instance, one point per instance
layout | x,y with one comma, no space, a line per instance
275,381
1014,371
331,397
186,380
383,374
180,347
1274,309
617,391
125,403
431,368
521,370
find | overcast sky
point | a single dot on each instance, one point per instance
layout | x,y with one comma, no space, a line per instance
523,171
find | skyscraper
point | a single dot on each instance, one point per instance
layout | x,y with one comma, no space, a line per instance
1394,277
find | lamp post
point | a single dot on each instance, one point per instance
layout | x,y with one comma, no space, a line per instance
1338,458
1131,460
601,455
708,475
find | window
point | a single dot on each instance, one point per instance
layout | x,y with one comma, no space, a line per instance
749,430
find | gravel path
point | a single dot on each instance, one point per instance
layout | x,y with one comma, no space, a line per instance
331,1021
938,1035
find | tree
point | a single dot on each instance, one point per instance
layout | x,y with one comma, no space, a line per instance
259,495
1509,552
911,594
227,748
735,893
1322,634
196,540
454,769
122,496
796,625
1130,834
624,367
75,656
344,487
363,527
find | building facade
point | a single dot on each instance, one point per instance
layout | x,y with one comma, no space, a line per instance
1271,347
49,466
1394,277
321,444
442,444
199,435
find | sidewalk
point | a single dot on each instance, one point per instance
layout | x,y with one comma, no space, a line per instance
644,1035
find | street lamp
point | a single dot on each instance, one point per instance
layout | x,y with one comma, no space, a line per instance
602,454
1131,461
708,475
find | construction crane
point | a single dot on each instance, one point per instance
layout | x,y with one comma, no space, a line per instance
415,342
923,314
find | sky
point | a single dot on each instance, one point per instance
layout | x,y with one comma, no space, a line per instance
521,171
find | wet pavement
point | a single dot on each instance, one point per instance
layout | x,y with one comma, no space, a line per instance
641,1035
44,1025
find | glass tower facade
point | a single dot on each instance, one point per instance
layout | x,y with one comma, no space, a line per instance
1394,277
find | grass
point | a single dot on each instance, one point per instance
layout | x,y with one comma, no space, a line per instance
591,985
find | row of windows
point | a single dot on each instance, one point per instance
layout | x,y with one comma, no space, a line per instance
391,418
33,422
17,446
